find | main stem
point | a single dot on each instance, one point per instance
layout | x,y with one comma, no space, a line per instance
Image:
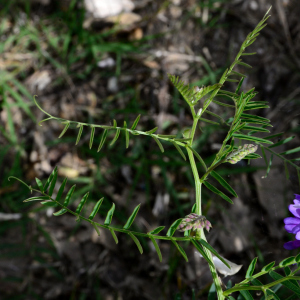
198,185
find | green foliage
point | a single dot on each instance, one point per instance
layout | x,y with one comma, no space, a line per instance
241,126
46,199
251,283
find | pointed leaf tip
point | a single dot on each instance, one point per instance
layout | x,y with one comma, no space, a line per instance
109,215
137,242
132,217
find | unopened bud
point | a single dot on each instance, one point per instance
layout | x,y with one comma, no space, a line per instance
240,153
194,222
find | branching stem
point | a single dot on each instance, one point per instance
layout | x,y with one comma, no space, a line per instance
198,185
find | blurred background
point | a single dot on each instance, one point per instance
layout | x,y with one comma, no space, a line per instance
98,60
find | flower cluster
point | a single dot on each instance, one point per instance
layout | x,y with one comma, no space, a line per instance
194,222
240,153
292,224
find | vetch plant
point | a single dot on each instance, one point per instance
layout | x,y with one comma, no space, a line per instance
241,126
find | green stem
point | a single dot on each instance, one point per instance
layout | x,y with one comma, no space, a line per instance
198,185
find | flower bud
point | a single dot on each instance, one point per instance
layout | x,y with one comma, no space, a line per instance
194,222
240,153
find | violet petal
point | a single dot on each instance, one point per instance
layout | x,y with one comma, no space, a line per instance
291,220
296,229
294,211
291,245
290,228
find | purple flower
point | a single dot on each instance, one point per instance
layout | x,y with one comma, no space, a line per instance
292,224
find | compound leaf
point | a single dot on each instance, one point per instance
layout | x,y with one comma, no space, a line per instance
286,283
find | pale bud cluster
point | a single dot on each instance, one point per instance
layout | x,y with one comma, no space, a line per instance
194,222
240,153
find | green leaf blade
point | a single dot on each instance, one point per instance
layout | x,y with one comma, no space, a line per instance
103,138
137,242
92,136
40,185
96,209
135,122
69,195
212,250
116,137
202,252
173,227
64,130
50,178
81,203
38,198
52,185
132,217
268,267
158,143
79,134
156,230
251,268
109,215
60,212
180,250
218,192
156,248
251,138
179,150
114,235
224,183
286,283
198,157
61,190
